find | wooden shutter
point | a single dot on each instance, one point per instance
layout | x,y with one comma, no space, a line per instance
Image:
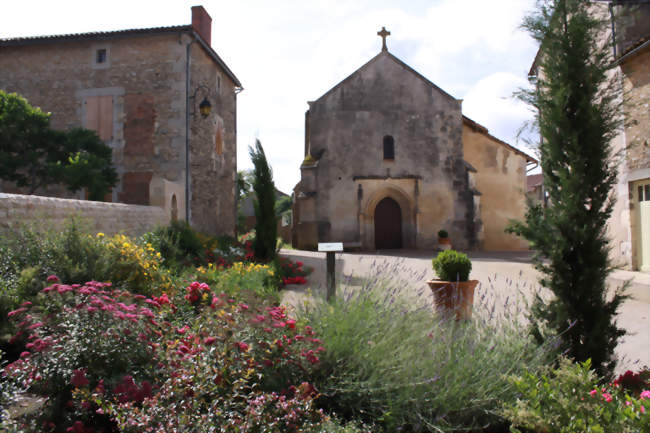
99,116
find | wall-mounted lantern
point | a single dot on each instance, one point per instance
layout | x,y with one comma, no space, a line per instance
205,107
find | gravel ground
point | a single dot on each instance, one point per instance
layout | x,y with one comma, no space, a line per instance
505,279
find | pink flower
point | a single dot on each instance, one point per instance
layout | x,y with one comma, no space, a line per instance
291,324
77,427
79,379
243,346
208,341
607,397
593,392
24,354
16,312
53,279
644,394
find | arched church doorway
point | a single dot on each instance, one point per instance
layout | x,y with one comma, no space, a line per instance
388,225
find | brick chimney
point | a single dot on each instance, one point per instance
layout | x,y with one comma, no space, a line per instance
202,23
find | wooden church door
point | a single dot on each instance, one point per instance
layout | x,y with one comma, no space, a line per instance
388,225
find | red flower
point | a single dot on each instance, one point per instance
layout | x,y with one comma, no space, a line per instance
208,341
79,379
291,324
243,346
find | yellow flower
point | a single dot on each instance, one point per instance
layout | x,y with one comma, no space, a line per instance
100,235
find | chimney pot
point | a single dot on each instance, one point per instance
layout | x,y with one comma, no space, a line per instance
202,23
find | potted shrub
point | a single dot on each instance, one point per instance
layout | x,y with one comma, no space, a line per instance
444,241
453,292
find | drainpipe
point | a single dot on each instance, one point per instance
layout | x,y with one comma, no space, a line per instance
187,131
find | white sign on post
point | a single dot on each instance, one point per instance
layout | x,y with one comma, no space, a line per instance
330,247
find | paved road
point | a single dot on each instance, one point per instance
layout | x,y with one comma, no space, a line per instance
505,277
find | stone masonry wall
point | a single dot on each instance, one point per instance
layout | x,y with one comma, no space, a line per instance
136,99
213,147
108,218
637,85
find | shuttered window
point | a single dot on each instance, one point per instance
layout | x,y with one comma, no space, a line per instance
99,116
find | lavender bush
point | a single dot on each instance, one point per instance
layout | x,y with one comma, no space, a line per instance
389,358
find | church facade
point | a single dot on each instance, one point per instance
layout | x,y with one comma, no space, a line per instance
386,166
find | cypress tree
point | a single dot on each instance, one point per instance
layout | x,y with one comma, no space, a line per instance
266,223
577,102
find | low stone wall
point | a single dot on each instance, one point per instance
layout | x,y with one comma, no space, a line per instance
49,212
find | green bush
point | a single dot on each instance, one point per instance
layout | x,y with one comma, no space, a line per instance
388,361
571,399
451,265
28,257
443,234
179,244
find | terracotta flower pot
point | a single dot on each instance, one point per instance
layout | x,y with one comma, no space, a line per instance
454,297
444,244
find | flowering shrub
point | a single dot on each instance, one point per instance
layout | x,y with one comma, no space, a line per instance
103,356
241,277
570,399
236,367
633,382
135,267
83,338
292,272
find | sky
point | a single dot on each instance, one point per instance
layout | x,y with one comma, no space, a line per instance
288,52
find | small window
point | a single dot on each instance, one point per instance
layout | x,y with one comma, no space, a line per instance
640,193
647,192
101,56
389,147
218,83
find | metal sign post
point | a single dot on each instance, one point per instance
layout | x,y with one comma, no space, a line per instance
331,249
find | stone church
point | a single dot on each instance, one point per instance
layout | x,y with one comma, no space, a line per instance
390,160
161,98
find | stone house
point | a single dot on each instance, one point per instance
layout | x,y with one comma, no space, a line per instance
629,225
390,160
161,98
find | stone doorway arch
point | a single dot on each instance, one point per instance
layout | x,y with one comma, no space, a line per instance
388,225
377,193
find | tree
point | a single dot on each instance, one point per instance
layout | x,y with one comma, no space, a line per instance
33,155
89,164
27,148
577,116
266,222
283,204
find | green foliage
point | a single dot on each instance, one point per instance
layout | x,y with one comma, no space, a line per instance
389,362
266,222
89,164
283,204
179,244
32,155
443,234
577,118
452,265
26,148
570,399
241,279
28,257
245,181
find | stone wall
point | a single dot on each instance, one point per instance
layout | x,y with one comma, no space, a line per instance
501,180
213,147
49,212
636,79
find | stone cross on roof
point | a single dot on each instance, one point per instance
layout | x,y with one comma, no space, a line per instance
383,33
